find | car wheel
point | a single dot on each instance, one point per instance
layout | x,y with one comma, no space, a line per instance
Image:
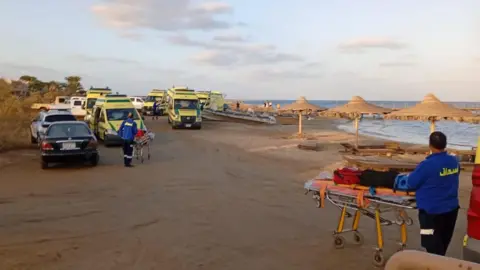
32,139
44,165
94,160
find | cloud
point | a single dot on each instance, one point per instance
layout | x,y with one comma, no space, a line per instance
162,15
229,38
215,58
232,53
395,64
281,74
131,35
96,59
244,57
362,44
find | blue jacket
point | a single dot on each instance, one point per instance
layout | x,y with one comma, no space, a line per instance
155,105
128,129
436,181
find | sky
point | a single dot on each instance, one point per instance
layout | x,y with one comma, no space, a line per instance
264,49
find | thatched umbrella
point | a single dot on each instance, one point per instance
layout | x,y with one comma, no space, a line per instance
432,109
301,104
355,108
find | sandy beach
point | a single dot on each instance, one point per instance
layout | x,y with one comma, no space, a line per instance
229,196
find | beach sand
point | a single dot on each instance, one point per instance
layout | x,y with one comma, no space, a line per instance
229,196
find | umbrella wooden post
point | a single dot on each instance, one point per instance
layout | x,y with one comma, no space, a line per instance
299,122
432,126
356,131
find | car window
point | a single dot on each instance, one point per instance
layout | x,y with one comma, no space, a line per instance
121,114
77,103
59,118
132,99
140,100
68,130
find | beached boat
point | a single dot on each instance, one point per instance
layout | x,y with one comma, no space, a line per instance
251,117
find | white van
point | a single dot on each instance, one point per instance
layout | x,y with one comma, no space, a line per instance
137,102
76,104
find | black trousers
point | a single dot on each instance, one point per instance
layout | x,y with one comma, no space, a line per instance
436,230
127,152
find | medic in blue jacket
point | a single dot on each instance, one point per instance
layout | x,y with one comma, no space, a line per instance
127,131
435,181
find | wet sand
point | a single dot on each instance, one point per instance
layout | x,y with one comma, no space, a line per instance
229,196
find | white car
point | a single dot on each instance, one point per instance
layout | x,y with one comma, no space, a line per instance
137,102
44,119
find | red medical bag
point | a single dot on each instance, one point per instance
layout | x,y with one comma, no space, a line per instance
347,176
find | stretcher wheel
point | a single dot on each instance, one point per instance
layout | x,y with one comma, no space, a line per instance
399,220
409,221
358,238
318,203
378,259
339,242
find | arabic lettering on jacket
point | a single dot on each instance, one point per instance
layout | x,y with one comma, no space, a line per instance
446,171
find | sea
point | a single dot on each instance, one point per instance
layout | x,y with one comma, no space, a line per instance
460,135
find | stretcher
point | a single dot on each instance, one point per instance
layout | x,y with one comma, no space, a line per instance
143,142
366,201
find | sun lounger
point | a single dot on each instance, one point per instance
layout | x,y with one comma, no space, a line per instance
417,150
379,163
388,148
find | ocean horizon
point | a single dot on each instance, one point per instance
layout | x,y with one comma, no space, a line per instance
460,135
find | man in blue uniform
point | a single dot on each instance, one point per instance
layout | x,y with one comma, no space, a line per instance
155,110
127,131
436,181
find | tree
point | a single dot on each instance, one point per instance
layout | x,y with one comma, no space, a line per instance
28,78
36,86
73,84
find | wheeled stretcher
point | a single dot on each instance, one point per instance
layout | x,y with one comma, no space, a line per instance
366,201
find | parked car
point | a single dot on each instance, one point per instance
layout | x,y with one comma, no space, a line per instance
137,102
70,141
44,119
471,243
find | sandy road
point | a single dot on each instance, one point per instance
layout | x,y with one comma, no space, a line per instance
194,205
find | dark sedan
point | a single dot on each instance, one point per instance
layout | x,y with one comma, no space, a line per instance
69,141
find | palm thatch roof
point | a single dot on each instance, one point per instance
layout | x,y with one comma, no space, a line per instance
432,109
356,107
301,104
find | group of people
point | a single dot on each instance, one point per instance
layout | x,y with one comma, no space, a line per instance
267,104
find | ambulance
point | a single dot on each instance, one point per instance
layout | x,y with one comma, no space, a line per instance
183,108
92,95
107,116
155,95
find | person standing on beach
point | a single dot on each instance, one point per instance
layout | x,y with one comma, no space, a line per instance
435,181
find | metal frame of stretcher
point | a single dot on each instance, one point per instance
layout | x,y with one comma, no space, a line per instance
362,202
